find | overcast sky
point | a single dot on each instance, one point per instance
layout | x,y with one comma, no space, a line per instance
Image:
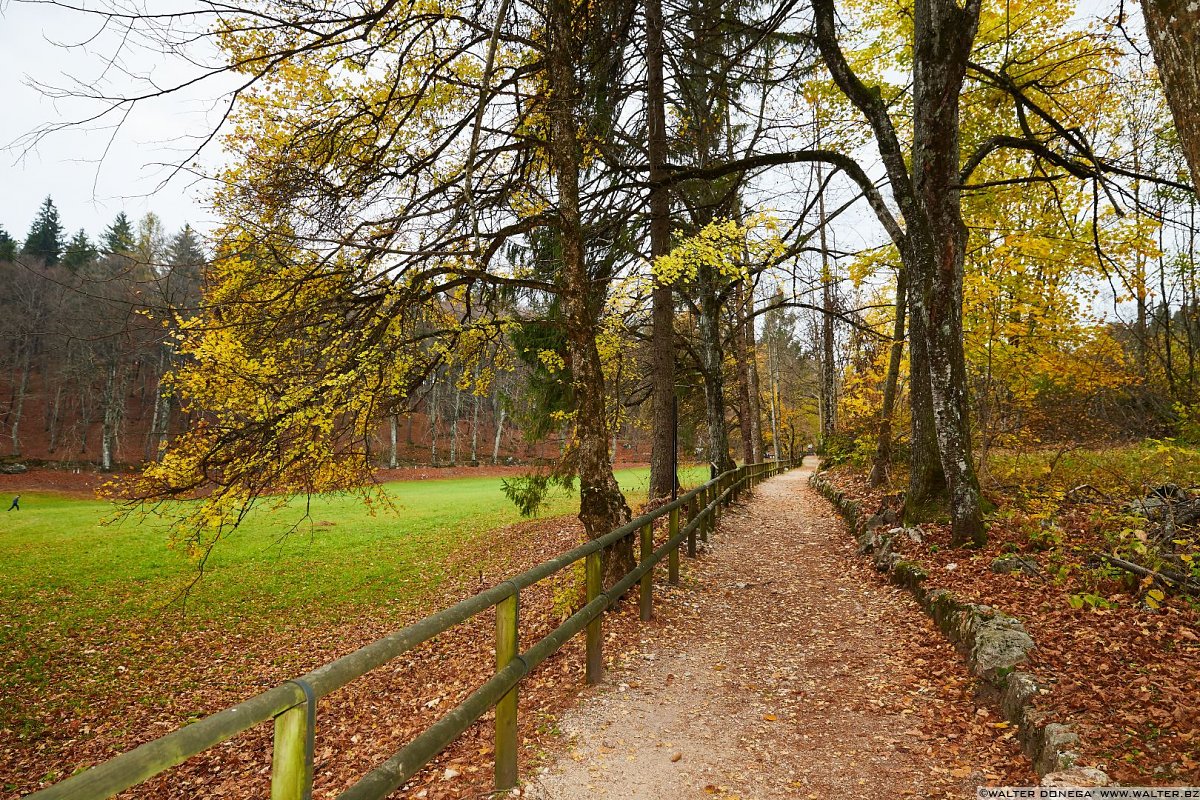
91,171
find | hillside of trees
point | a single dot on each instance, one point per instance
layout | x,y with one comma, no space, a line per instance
90,335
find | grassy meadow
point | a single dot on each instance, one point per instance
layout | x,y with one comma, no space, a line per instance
61,563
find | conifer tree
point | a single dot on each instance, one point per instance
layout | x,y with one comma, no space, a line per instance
80,251
8,246
45,234
119,238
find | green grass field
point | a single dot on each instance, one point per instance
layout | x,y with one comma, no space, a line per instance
61,564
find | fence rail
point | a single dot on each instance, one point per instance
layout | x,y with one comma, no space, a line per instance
293,704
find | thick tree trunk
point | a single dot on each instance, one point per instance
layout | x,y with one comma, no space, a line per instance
943,34
883,444
602,506
662,322
1174,30
926,480
933,243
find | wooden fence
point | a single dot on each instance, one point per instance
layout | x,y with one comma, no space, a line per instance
293,704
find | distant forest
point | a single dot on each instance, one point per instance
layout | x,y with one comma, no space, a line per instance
90,327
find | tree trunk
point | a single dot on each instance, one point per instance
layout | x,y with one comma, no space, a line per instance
662,321
475,420
926,480
943,35
743,357
602,507
828,360
114,403
499,431
713,366
53,420
454,427
883,444
19,392
1174,30
433,421
393,441
756,433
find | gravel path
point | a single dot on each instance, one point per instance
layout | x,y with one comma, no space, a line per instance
784,668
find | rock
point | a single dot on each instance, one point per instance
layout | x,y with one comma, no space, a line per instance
1019,689
1000,643
884,518
1078,777
13,469
1056,754
883,554
450,774
1006,565
675,757
1152,506
1171,491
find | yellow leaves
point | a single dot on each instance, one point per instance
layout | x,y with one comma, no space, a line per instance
724,247
1155,597
552,361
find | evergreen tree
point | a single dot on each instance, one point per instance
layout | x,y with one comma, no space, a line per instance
8,246
45,234
119,238
184,249
80,251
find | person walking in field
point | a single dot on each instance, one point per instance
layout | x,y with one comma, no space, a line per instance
16,503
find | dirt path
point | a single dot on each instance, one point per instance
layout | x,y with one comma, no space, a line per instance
785,668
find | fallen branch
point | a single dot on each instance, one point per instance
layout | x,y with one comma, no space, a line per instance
1170,580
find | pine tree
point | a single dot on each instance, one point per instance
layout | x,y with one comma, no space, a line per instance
45,234
80,251
119,238
8,246
184,249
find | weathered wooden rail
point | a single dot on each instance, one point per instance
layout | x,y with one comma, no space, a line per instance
293,704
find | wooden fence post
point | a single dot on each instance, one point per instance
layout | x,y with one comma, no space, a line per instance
291,757
692,505
706,515
647,593
595,640
507,644
673,553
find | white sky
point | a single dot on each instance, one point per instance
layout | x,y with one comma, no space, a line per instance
90,173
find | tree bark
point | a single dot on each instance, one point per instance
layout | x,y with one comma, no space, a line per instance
712,358
883,444
602,506
1174,30
756,432
943,35
933,245
743,356
19,391
499,431
393,443
662,321
828,360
